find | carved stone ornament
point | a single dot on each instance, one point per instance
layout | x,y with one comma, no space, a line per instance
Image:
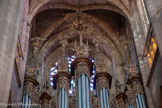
82,69
53,103
63,83
101,68
72,102
113,103
62,80
130,97
136,85
63,62
121,105
117,87
81,65
121,100
137,89
100,62
28,89
95,103
63,67
103,83
99,59
36,95
44,95
103,80
29,85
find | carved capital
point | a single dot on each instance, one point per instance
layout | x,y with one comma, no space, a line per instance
103,80
81,65
136,85
62,80
30,83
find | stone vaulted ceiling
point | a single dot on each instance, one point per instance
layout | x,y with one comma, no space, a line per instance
106,21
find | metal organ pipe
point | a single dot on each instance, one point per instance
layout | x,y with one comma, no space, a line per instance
140,101
62,98
143,101
107,98
83,91
87,87
101,99
65,99
80,92
104,98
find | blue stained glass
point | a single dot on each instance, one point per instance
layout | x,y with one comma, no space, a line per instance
69,69
51,83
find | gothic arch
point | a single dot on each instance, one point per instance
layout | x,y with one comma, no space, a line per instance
117,6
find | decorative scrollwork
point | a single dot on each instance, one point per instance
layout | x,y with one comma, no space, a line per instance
72,102
103,82
53,103
113,103
82,69
63,82
130,97
95,103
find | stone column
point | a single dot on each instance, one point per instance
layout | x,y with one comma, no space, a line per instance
9,27
154,8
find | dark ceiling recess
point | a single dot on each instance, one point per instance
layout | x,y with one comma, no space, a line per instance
116,20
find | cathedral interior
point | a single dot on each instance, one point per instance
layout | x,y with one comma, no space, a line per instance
81,54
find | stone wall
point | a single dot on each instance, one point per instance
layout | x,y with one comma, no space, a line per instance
9,26
156,83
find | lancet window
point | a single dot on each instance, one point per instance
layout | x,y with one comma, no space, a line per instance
143,15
